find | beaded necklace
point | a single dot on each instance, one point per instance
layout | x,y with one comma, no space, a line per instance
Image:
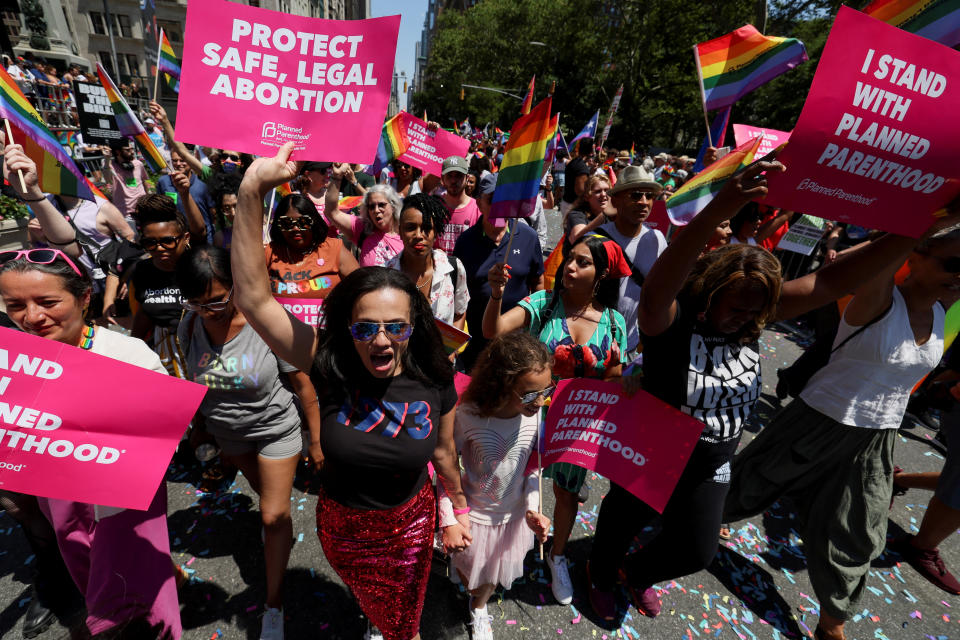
86,341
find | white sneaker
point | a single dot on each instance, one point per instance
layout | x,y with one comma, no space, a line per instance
372,633
560,585
480,622
272,628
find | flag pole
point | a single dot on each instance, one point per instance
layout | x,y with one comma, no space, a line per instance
268,219
23,185
156,77
703,96
540,489
513,232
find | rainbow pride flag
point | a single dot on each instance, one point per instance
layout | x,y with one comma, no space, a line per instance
453,338
518,181
393,143
528,100
168,64
633,151
938,20
733,65
128,123
56,169
694,195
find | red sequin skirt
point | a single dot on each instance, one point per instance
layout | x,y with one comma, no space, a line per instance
383,556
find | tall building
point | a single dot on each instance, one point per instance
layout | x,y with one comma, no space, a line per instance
422,48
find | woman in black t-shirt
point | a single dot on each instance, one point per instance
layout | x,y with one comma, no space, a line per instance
387,406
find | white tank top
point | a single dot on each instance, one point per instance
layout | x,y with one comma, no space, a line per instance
868,381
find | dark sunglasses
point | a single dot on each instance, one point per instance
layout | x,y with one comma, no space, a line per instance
367,331
167,242
220,305
531,397
950,264
231,156
638,195
286,223
38,256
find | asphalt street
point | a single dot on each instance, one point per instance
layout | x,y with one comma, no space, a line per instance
756,588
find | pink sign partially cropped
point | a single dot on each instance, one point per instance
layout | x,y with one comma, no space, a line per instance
641,443
875,144
428,148
255,79
772,138
65,435
306,310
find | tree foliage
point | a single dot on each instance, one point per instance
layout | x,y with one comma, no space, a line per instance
593,46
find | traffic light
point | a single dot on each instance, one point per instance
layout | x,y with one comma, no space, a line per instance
461,93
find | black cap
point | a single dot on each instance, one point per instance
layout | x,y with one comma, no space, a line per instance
316,166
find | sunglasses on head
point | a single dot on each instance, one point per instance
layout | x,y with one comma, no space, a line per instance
639,195
38,256
167,242
531,397
367,331
220,305
286,223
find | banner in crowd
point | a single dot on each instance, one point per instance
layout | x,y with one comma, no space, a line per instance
97,123
871,145
427,149
63,439
772,138
803,235
273,78
306,310
641,443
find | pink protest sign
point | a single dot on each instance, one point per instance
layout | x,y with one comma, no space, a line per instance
255,79
772,138
641,443
63,438
872,145
428,148
306,310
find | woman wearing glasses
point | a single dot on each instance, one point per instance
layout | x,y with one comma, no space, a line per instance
387,408
588,212
119,558
374,231
303,261
248,408
587,336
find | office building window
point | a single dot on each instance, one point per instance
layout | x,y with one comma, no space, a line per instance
97,23
133,65
123,25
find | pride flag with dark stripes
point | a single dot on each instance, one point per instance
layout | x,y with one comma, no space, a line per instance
129,125
938,20
518,181
393,143
733,65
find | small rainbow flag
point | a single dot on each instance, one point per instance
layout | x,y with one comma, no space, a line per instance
938,20
453,338
128,123
551,265
518,181
695,194
733,65
347,203
528,100
168,62
393,143
633,151
57,171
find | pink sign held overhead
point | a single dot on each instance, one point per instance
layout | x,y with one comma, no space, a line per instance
641,443
60,439
874,144
255,79
772,138
428,148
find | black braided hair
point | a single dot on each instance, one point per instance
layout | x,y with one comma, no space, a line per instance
435,213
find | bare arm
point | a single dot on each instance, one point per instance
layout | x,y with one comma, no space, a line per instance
331,208
114,221
292,340
198,228
348,264
770,227
446,462
160,115
307,393
494,323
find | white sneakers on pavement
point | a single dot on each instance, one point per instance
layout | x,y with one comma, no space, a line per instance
561,586
272,628
480,623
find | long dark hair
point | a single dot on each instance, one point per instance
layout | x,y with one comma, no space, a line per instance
199,267
336,366
608,289
305,207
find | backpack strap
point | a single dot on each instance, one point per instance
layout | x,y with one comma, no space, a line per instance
635,273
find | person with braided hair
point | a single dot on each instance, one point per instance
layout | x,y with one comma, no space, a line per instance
440,278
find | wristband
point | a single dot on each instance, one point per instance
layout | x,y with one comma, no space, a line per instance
23,199
497,299
461,512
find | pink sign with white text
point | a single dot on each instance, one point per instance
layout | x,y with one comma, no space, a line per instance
428,148
255,79
640,442
306,310
772,138
874,144
66,434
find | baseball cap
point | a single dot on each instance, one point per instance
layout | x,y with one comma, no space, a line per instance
454,163
488,184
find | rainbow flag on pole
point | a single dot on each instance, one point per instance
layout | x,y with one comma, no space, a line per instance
56,169
694,195
733,65
528,100
938,20
128,123
393,143
168,63
518,181
453,338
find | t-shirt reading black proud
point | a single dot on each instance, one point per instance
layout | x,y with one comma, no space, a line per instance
706,375
377,442
157,293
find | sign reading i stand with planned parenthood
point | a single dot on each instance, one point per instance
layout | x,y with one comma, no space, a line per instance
255,79
876,142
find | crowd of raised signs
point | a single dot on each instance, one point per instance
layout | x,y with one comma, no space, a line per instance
313,300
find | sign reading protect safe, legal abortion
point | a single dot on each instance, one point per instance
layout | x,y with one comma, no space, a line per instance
255,79
876,142
64,434
428,148
640,442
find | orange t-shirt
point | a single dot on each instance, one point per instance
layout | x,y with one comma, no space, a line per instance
313,277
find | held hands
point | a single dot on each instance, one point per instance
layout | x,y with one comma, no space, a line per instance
498,276
539,524
456,537
267,173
